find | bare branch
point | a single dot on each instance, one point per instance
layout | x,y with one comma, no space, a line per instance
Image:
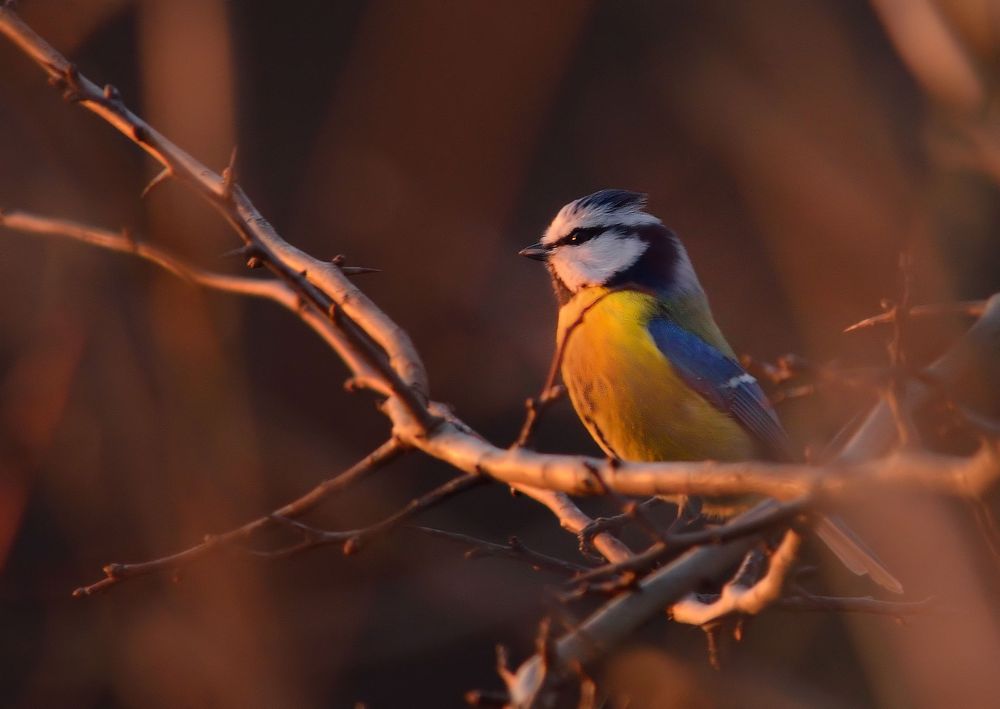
161,177
354,540
976,350
276,291
123,242
573,520
404,370
959,476
414,507
615,523
381,355
861,604
620,616
513,549
117,572
970,308
737,598
770,517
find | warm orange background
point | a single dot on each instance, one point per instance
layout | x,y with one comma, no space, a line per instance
786,142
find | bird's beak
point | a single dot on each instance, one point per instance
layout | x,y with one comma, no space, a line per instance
538,252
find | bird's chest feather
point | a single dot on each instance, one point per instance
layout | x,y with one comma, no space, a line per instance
626,391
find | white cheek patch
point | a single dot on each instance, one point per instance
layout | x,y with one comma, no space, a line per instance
594,262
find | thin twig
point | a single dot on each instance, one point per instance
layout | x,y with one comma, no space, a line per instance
857,604
613,523
737,598
514,549
629,508
117,572
124,242
436,496
770,517
968,308
354,540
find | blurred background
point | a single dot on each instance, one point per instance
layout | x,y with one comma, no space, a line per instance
797,147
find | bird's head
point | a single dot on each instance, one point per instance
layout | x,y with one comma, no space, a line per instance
608,239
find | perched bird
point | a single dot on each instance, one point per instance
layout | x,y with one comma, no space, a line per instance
647,369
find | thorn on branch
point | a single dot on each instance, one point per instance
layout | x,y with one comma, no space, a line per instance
359,270
111,93
229,176
160,178
340,261
66,79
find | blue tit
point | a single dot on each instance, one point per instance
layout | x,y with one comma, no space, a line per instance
647,369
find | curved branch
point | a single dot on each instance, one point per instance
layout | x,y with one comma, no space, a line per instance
737,598
331,304
404,365
276,291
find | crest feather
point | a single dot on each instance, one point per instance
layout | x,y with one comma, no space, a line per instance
612,200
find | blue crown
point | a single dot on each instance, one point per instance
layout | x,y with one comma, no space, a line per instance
612,200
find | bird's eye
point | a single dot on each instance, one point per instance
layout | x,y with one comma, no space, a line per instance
580,235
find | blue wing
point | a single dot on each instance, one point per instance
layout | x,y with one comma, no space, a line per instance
722,382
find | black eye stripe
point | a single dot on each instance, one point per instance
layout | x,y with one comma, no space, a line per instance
581,234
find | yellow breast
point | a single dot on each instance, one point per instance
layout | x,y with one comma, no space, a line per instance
626,392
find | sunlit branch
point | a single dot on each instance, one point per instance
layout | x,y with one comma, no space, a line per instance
381,356
621,615
740,599
403,370
125,242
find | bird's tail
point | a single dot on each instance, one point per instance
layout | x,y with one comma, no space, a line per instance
854,554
